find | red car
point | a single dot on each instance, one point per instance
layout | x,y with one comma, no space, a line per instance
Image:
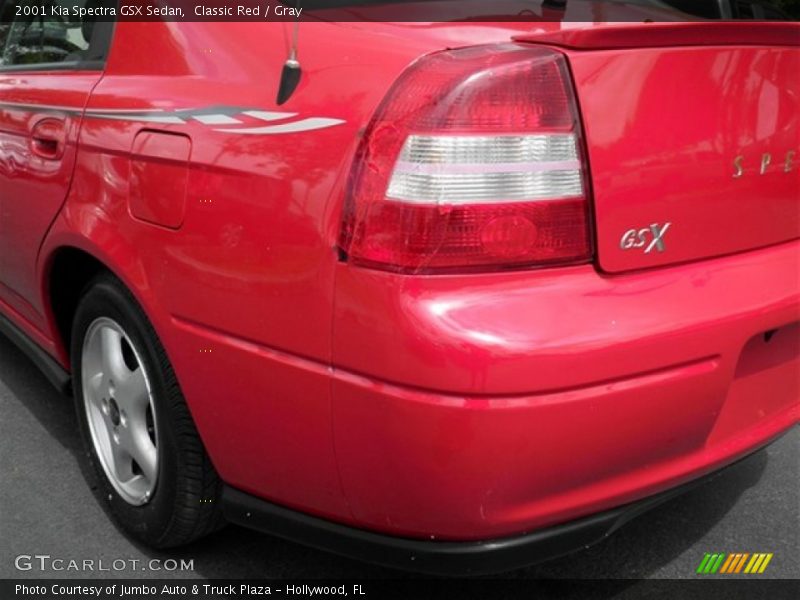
455,296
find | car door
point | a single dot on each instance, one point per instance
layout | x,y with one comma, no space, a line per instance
48,68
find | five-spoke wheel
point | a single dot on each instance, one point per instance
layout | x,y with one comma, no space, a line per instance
120,410
152,469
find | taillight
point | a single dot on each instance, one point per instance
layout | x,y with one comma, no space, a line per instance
472,162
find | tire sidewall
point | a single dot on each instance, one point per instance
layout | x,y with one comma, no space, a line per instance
107,298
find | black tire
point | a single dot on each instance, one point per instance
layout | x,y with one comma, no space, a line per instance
184,504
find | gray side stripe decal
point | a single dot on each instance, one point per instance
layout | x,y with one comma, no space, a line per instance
269,116
216,120
145,118
225,119
43,108
296,126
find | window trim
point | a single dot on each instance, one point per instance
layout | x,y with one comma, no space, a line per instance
88,65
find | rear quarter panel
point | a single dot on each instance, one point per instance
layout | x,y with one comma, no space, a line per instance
241,292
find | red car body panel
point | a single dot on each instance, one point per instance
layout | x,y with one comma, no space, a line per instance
533,404
463,407
41,182
655,151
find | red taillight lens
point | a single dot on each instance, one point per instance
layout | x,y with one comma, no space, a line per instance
472,161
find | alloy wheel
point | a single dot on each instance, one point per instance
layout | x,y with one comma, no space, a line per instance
120,411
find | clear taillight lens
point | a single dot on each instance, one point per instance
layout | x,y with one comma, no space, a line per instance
472,162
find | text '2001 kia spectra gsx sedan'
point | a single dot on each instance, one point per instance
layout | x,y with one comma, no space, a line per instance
455,296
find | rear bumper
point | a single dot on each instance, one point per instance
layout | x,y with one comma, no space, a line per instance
463,409
440,558
500,404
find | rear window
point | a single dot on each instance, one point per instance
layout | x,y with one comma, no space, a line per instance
706,9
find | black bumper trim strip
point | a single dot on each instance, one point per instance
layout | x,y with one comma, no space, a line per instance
440,558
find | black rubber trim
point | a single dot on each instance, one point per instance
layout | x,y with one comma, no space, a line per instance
89,65
54,372
440,558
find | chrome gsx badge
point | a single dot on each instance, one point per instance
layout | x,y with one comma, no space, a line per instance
650,238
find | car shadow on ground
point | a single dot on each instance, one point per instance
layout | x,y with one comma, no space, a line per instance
635,551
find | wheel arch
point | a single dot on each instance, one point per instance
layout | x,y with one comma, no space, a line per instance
70,271
68,268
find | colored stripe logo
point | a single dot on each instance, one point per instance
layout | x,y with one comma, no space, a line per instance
734,563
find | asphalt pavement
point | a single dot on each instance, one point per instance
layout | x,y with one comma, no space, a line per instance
47,508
